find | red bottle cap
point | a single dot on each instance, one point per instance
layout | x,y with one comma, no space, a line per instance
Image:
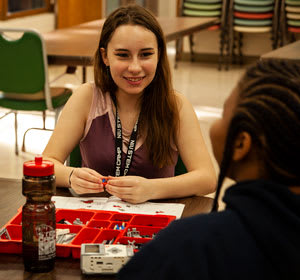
38,167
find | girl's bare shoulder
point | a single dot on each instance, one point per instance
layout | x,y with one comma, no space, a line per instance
182,100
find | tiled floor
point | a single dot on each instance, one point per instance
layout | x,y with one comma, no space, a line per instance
202,83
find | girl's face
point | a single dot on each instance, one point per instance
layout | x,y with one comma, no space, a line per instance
132,56
218,130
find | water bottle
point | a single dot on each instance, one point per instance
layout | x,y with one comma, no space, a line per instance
38,216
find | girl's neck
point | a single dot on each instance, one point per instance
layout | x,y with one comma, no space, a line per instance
129,107
128,103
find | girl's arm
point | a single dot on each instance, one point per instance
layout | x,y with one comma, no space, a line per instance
66,135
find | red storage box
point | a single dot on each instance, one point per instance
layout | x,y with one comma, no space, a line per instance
90,226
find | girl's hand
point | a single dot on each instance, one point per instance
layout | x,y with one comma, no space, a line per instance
85,180
132,189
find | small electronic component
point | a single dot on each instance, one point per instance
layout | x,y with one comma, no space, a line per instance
104,181
104,259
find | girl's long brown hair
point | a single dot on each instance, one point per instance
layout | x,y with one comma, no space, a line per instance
159,117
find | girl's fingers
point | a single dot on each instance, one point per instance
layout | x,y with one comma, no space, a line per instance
126,197
127,181
84,186
89,175
120,190
84,190
94,173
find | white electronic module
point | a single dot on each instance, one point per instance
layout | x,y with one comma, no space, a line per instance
104,259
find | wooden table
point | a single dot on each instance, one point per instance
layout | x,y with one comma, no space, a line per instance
289,52
11,266
76,46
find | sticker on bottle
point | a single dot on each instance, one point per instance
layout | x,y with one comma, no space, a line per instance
46,242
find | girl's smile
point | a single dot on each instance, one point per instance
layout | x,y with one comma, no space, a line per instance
133,62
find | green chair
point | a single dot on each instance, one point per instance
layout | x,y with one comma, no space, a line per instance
75,161
24,82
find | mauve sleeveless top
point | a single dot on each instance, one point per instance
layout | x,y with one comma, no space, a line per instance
97,146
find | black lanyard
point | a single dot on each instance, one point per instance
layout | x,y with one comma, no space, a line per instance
119,144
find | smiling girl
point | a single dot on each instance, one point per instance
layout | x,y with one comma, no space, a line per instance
130,121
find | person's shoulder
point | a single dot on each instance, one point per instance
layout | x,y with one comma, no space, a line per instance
179,96
84,93
81,98
210,221
182,100
201,227
189,236
85,89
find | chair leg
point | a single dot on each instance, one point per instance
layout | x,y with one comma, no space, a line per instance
233,50
223,44
240,45
293,37
178,50
16,134
5,114
37,128
44,119
57,112
191,40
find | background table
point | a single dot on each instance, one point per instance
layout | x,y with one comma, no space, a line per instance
289,52
76,46
11,266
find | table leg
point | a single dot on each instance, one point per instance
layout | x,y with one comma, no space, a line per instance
83,74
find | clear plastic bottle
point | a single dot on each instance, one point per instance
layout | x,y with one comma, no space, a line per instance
38,216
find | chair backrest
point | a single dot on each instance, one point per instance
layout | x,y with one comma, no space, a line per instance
75,161
23,67
290,21
255,16
201,8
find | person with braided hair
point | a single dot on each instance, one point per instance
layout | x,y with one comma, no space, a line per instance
257,236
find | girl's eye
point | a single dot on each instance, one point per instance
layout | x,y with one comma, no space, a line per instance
146,54
122,54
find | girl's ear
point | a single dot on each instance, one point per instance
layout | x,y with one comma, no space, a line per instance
242,146
104,56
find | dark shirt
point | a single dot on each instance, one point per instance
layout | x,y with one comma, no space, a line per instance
256,237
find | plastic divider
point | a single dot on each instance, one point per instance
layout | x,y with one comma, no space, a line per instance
100,224
72,215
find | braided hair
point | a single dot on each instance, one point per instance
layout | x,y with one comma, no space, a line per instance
268,108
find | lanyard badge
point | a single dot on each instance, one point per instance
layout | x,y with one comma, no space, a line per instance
119,143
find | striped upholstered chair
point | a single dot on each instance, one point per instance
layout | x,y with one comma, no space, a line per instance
203,8
289,21
251,16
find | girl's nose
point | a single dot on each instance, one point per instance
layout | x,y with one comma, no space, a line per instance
135,65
